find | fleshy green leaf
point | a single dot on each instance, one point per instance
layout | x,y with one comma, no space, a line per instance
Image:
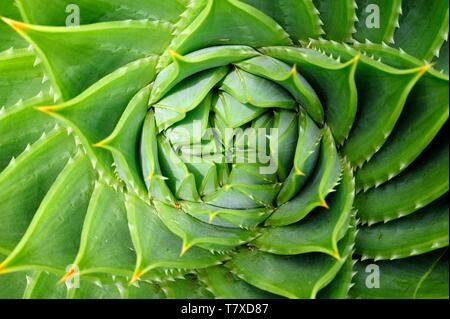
294,276
86,54
338,18
419,36
421,232
320,231
323,73
225,285
70,191
156,246
20,78
405,193
194,232
424,276
326,176
377,20
26,181
58,12
299,18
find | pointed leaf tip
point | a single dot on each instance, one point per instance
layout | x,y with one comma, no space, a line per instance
336,255
184,248
298,172
173,54
67,275
45,109
324,204
16,25
136,276
425,68
2,268
101,144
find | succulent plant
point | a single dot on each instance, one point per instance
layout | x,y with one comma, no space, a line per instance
224,148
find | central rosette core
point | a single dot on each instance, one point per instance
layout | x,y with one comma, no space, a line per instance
230,129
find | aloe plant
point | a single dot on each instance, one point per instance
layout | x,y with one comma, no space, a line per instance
224,149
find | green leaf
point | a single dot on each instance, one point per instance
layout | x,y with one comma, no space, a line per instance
424,276
338,18
404,194
187,288
105,245
320,231
243,218
217,25
27,180
419,36
441,62
377,24
282,145
299,18
424,114
257,91
96,290
20,78
195,62
9,38
377,113
421,232
294,276
151,170
226,107
13,284
44,285
57,12
120,142
86,54
186,131
244,196
341,284
186,96
323,73
288,78
156,246
32,124
66,200
225,285
313,195
92,121
179,179
305,158
196,233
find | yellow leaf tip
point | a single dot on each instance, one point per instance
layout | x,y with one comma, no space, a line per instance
336,254
100,144
324,204
184,248
67,275
45,109
294,70
136,276
16,25
298,172
2,267
425,68
173,53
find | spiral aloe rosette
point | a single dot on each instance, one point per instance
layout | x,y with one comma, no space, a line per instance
223,148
